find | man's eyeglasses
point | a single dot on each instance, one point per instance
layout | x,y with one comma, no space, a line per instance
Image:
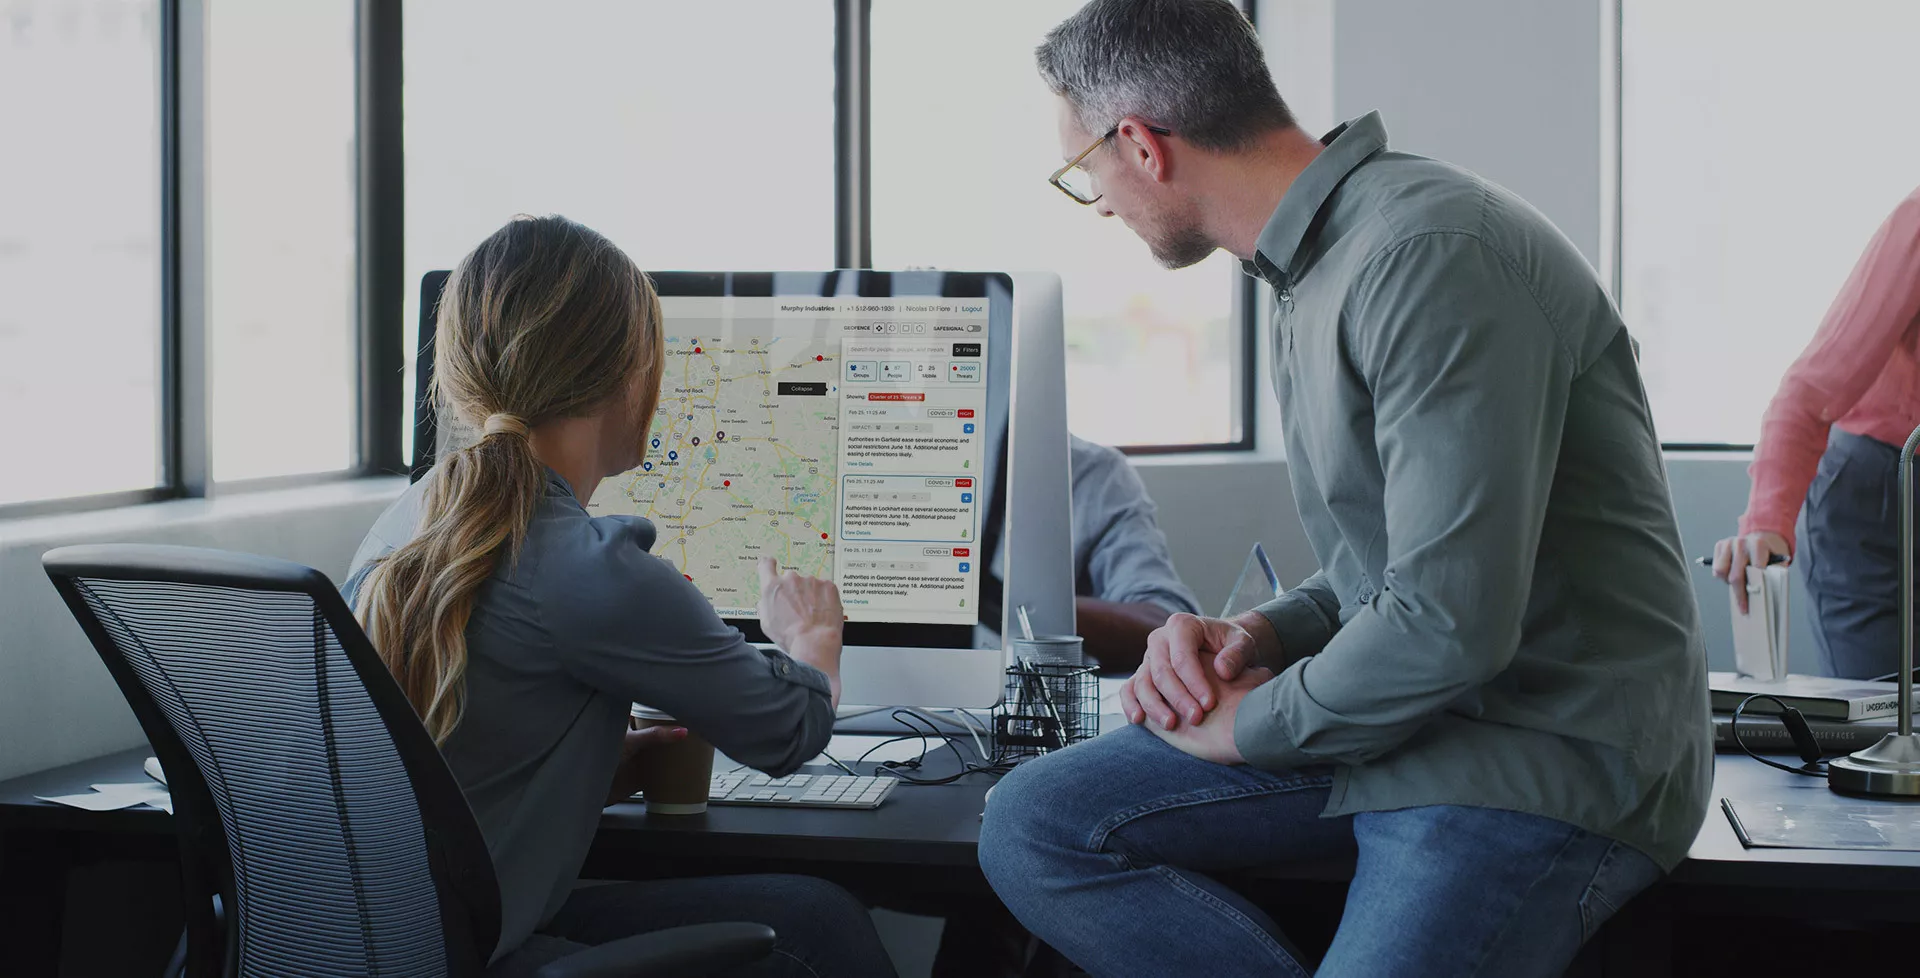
1074,180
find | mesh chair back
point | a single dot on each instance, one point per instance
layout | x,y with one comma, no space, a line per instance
343,844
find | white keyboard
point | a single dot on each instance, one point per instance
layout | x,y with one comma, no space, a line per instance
799,790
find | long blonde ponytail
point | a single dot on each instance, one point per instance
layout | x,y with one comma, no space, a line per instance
545,319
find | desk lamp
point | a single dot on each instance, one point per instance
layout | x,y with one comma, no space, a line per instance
1892,766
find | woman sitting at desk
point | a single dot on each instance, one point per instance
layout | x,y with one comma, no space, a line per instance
1831,440
522,629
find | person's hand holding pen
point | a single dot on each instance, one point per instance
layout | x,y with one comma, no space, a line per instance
1732,557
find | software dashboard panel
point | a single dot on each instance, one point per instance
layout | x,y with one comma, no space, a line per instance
843,436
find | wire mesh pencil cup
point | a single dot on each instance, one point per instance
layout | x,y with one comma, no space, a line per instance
1046,707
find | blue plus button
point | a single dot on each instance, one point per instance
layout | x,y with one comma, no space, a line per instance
966,429
965,567
966,497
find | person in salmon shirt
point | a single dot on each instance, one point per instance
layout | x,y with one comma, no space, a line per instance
1831,439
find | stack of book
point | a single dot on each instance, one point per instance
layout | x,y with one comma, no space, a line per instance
1845,715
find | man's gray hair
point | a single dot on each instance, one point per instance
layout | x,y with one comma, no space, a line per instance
1192,66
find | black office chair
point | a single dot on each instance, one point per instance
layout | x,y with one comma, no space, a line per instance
311,803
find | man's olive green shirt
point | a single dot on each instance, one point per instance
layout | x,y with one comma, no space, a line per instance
1502,617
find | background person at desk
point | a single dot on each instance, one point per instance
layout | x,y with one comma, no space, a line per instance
1493,694
522,629
1831,440
1122,574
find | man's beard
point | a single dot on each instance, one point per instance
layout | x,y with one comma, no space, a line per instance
1185,245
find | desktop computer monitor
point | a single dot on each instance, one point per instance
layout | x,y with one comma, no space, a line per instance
846,424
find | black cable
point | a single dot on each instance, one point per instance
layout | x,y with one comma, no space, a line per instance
1813,768
993,766
1894,675
953,740
862,759
902,717
836,763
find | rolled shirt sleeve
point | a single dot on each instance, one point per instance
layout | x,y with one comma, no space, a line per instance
1469,381
633,626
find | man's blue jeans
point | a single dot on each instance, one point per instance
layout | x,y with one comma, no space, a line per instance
1104,851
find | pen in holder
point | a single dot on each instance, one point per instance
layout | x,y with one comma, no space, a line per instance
1047,706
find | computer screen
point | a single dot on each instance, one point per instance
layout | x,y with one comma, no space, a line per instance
843,423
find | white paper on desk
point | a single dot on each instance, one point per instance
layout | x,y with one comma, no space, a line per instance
1760,635
113,797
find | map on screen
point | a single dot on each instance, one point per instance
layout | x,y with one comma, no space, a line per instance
741,460
842,437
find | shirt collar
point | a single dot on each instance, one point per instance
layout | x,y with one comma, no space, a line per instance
1348,146
556,481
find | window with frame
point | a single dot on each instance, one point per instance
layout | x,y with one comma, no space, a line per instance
963,139
282,300
1759,153
631,117
80,248
689,141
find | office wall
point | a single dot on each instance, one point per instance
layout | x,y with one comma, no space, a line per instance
1507,88
57,703
1510,89
1213,512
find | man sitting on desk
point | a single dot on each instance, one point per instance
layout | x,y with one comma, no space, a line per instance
1493,694
1122,574
1125,587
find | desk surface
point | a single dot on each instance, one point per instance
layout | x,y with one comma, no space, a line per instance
1718,859
940,826
925,825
